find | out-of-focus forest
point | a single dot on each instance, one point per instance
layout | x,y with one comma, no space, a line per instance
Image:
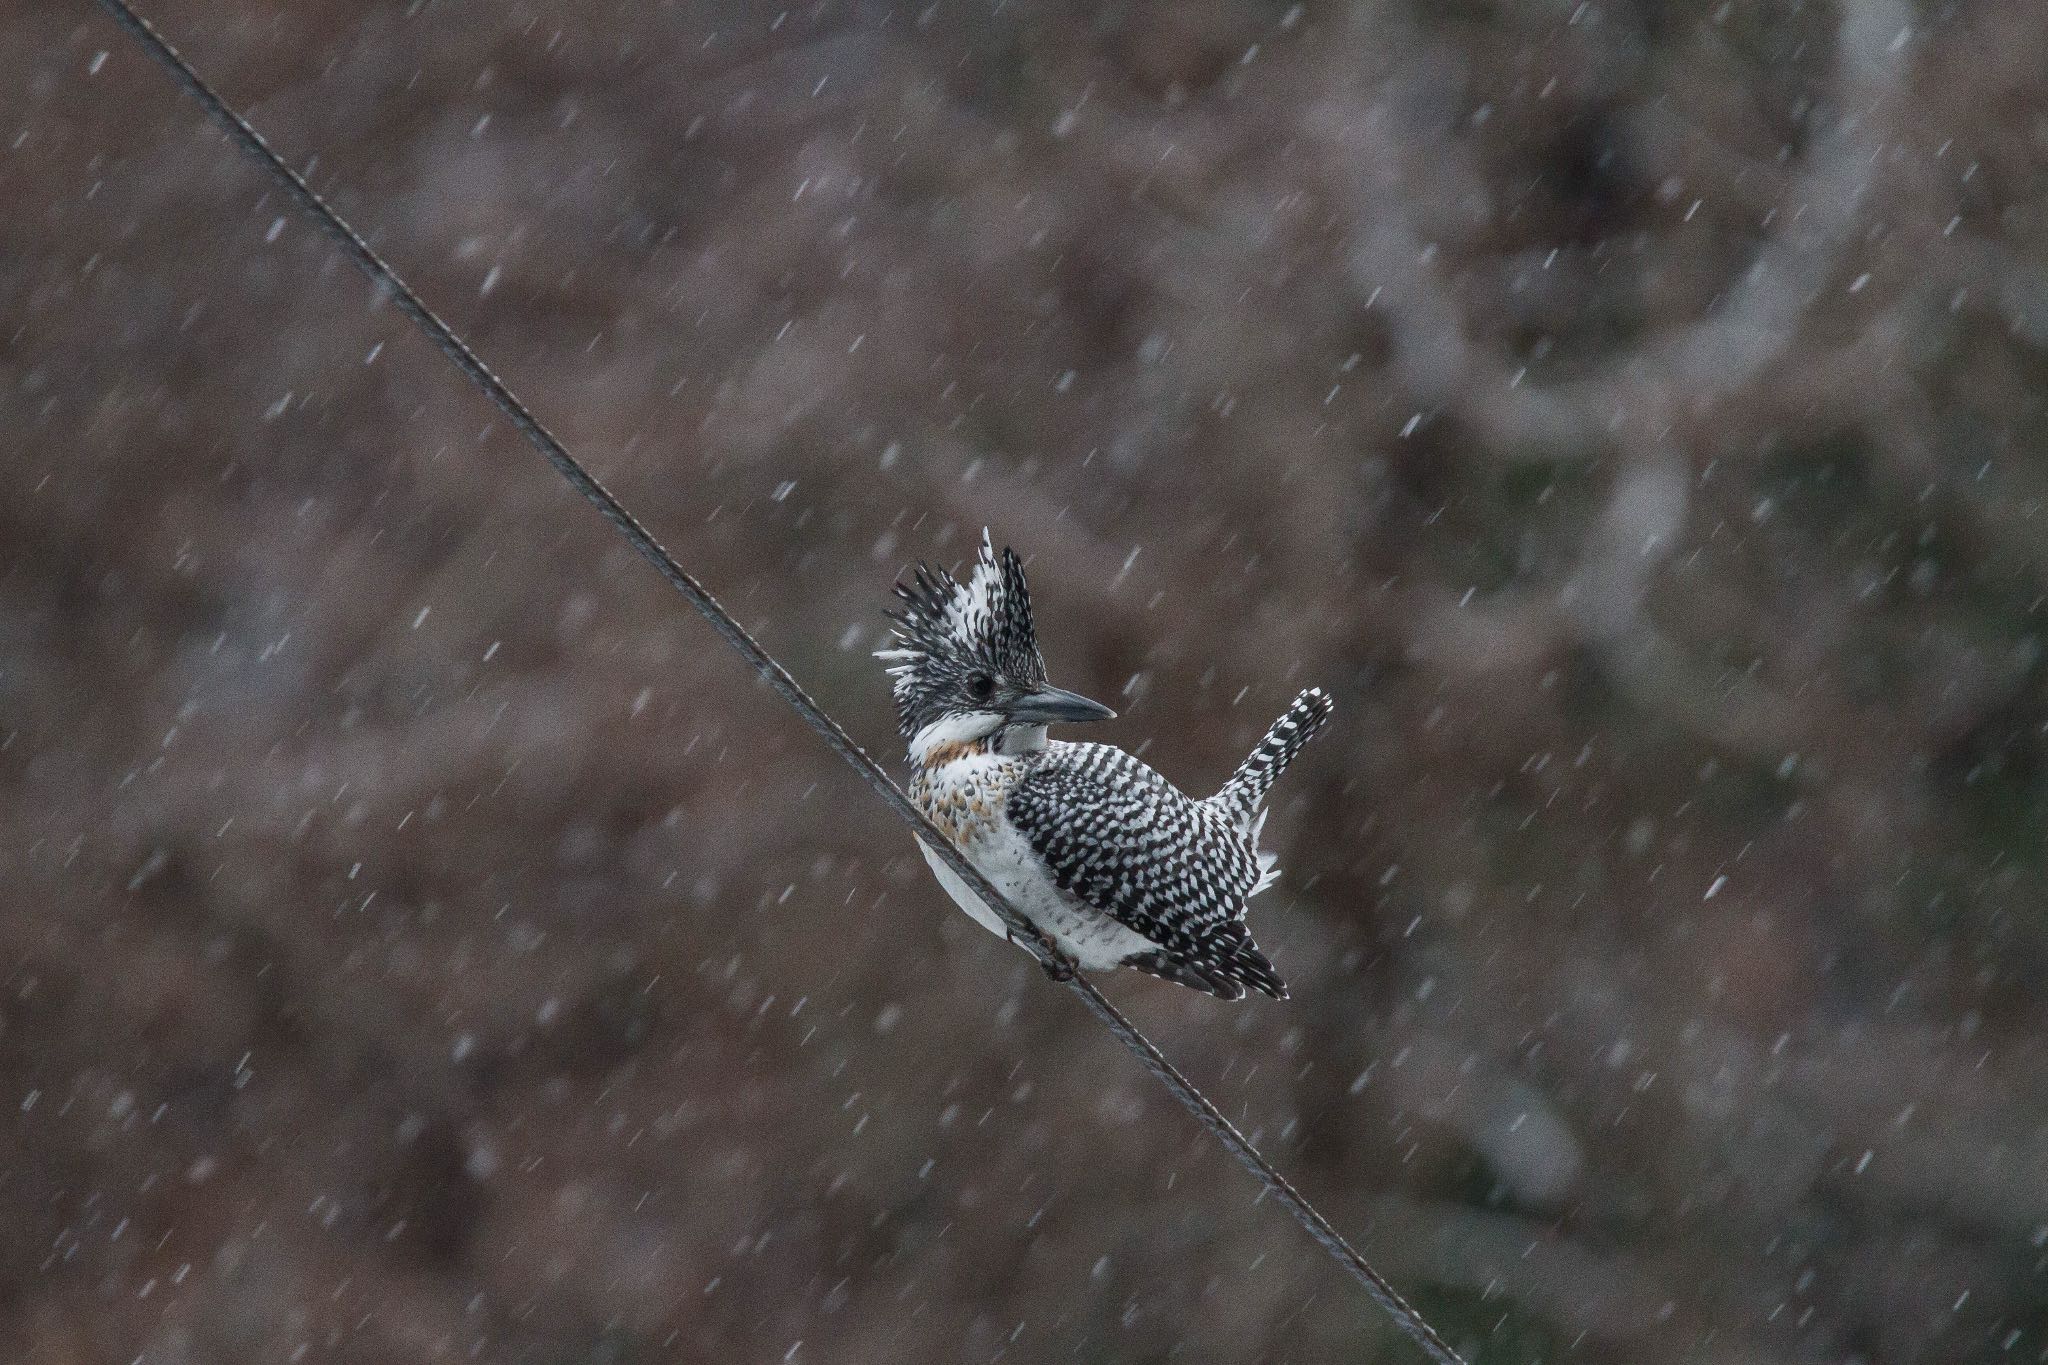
422,941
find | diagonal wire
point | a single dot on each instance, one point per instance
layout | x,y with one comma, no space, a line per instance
1023,931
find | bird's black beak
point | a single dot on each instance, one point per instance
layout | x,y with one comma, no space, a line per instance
1051,704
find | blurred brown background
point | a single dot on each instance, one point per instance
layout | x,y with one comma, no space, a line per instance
423,942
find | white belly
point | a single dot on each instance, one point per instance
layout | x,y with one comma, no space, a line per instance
1094,941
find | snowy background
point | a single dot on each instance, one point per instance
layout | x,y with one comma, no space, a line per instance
423,942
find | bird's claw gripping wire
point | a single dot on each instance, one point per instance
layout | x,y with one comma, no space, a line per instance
1058,968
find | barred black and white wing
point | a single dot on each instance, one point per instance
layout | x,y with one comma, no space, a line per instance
1126,842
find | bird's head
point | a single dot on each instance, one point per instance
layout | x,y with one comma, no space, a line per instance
966,661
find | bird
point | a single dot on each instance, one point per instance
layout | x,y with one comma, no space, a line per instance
1096,849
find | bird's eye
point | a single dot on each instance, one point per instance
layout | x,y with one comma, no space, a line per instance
981,686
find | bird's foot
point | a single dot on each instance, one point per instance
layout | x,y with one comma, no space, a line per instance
1057,969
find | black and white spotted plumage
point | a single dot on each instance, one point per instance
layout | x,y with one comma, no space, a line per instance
1097,849
1246,790
1121,838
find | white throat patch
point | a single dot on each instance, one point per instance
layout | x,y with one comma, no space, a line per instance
967,727
959,727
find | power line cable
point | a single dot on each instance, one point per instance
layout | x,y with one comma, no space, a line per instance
457,350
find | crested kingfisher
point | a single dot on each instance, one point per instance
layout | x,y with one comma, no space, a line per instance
1107,858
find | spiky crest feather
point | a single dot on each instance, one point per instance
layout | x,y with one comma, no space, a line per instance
948,629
